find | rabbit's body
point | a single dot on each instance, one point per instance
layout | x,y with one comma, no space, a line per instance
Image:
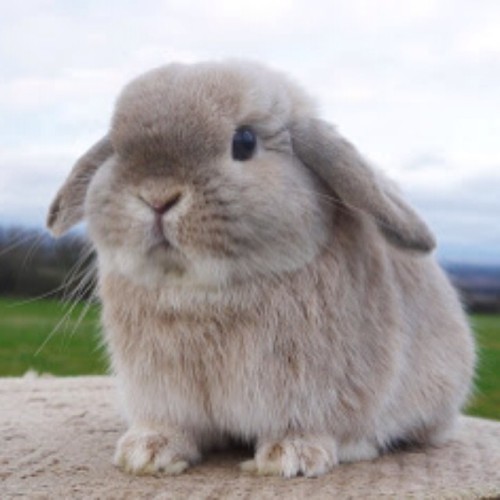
266,299
205,362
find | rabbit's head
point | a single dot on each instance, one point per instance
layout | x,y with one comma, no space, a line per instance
217,172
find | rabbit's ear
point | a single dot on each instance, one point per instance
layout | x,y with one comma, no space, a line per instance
321,148
67,208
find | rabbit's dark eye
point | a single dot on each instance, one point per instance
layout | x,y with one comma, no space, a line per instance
244,143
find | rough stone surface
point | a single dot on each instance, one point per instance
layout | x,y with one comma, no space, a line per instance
58,437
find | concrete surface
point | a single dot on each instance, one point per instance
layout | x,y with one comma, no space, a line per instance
58,437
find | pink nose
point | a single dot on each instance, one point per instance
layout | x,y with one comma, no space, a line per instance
163,206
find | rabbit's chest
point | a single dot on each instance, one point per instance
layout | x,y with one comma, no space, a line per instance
199,357
218,369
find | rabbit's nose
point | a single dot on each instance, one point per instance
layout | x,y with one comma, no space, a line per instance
162,206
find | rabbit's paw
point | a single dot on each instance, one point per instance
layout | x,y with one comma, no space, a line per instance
143,451
307,455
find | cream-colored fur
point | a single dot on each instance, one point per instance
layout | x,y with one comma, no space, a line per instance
289,300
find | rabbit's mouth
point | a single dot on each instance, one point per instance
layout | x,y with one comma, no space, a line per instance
158,238
159,242
161,245
167,257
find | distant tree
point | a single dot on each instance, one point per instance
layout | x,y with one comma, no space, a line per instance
32,264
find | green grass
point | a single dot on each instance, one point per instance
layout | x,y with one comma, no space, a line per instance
486,399
29,339
44,336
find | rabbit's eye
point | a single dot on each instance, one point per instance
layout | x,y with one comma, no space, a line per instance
244,144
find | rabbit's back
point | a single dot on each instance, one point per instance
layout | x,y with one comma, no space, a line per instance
437,352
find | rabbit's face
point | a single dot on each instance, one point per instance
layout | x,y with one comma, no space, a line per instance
203,185
216,172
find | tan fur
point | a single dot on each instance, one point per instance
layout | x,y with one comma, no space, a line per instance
296,306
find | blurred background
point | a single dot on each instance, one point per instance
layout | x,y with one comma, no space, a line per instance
414,84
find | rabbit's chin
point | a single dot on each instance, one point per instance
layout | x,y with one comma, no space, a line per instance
165,267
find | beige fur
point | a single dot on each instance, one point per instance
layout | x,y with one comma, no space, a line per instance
296,305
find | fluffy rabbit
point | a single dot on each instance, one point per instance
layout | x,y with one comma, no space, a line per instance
260,281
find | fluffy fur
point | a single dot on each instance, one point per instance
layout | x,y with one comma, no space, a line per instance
289,300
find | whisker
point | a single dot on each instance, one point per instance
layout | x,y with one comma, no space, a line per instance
74,275
78,292
19,240
37,243
77,274
55,329
85,310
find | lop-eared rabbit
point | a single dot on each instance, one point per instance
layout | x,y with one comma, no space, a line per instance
260,281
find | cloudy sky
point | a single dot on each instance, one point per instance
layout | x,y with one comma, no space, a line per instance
415,84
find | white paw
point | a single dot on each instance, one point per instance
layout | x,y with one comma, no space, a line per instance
143,451
310,456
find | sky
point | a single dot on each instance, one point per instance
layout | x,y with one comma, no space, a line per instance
415,84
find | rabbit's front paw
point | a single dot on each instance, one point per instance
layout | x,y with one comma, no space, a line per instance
145,451
307,455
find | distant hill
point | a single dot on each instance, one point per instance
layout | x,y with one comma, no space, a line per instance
479,285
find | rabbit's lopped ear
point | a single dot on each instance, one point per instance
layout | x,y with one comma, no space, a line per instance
67,208
321,148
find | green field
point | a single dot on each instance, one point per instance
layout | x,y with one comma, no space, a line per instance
45,336
486,399
49,337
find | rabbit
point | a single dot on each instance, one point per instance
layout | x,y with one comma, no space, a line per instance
260,280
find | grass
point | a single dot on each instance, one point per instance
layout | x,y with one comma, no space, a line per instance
486,399
29,339
45,336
